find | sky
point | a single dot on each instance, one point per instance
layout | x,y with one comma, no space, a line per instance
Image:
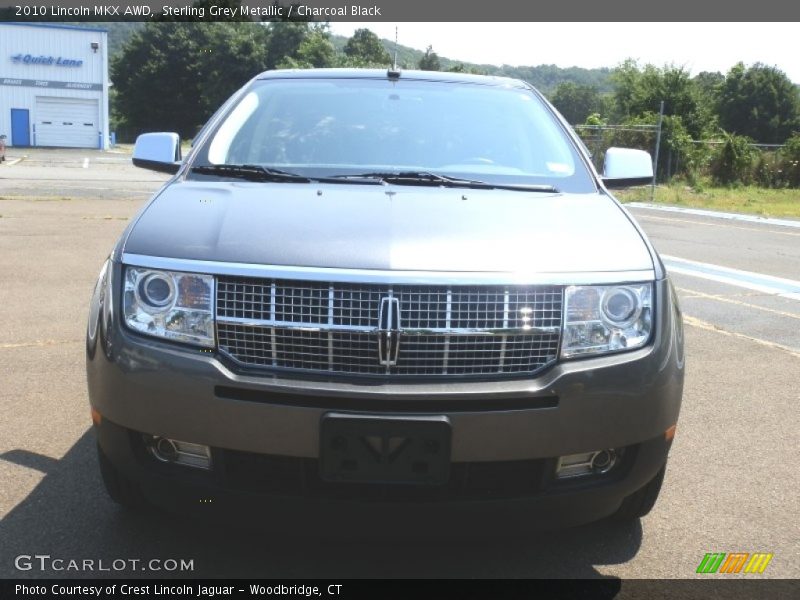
695,46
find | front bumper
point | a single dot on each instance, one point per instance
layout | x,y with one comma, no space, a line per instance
286,494
626,400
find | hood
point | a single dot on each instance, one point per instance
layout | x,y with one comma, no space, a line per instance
389,227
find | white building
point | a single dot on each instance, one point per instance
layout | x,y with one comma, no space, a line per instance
53,85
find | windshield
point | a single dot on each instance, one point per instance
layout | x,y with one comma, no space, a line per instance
339,127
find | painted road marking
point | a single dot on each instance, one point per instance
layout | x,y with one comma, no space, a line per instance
716,215
708,224
64,197
687,293
786,288
38,344
80,183
705,325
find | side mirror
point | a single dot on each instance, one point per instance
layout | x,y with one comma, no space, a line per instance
158,152
624,167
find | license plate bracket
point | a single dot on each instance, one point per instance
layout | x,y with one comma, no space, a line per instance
384,449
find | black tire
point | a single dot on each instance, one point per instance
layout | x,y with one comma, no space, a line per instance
121,489
642,501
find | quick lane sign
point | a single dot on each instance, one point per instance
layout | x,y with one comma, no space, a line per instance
54,61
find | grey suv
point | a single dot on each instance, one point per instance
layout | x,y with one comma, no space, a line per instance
389,292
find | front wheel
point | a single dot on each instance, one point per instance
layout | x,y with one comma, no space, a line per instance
642,501
122,490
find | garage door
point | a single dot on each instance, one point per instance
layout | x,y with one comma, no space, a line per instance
67,122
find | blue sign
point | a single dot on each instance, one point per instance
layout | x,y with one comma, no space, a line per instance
30,59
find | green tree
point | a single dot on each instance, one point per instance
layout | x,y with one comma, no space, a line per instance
791,160
576,102
707,84
155,79
284,41
237,53
759,102
734,160
366,47
595,120
172,76
429,61
315,51
639,90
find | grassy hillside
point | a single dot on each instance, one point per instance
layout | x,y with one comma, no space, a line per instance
544,77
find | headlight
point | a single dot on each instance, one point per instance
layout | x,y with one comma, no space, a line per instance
175,306
600,319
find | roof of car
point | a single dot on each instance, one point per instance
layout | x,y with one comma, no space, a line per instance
444,76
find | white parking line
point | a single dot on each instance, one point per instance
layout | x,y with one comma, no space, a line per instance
38,344
716,214
700,324
724,225
687,293
786,288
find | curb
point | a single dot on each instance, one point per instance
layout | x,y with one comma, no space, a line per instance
716,214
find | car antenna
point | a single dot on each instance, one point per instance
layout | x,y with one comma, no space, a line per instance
394,72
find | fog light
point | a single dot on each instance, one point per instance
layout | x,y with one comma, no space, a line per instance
165,450
587,463
181,453
603,461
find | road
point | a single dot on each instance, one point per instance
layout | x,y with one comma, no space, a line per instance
731,485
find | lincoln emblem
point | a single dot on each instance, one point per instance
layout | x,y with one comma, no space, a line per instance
389,331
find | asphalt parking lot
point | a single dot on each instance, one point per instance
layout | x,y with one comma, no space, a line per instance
732,480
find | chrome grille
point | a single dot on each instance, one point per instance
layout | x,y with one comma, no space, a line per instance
339,327
339,351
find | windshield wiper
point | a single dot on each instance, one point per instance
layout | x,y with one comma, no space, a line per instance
429,178
251,173
261,173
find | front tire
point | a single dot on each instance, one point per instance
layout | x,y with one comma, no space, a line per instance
122,490
642,501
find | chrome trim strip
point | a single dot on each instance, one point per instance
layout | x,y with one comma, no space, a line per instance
293,371
502,361
297,326
448,318
321,328
387,276
273,336
498,332
330,324
383,303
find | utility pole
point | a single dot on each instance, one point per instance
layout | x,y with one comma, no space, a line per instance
658,148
